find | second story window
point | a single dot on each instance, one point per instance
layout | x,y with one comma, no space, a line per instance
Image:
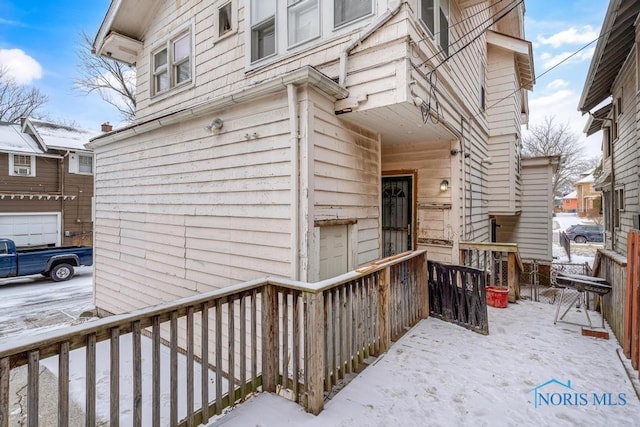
303,20
434,14
345,11
263,29
171,64
22,165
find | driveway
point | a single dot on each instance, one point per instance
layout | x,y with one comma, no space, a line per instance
34,304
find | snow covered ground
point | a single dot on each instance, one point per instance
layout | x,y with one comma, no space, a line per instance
440,374
35,304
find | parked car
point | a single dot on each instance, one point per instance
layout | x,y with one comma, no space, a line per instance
581,233
56,263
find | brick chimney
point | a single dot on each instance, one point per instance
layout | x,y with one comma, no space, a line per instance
106,127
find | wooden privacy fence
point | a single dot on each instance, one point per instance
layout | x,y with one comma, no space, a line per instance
631,328
501,260
270,335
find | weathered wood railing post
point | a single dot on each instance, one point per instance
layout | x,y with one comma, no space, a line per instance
513,277
384,309
269,338
423,283
314,348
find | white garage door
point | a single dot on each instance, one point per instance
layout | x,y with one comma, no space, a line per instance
31,229
334,251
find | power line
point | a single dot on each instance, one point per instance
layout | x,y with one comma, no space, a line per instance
489,19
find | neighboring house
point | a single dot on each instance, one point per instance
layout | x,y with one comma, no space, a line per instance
47,184
613,77
304,139
610,98
570,202
588,199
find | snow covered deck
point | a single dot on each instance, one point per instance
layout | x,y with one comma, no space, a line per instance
442,374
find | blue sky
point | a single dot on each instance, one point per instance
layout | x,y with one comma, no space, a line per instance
42,36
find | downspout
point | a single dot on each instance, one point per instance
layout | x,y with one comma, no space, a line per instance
292,98
379,22
62,213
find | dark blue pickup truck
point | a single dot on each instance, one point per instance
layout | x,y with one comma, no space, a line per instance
56,263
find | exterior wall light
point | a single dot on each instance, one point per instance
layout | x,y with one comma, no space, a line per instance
214,126
444,185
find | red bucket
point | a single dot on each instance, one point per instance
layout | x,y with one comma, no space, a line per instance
497,296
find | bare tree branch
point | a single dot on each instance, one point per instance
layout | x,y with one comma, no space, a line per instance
17,101
549,139
112,80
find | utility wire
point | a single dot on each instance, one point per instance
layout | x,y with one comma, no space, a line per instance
547,71
468,18
489,19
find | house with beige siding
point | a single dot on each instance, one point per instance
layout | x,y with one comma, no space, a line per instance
46,184
305,139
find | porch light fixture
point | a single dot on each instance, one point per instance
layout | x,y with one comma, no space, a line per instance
215,125
444,185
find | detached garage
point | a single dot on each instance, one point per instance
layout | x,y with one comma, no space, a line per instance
31,229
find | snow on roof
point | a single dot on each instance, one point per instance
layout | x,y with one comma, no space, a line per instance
63,137
586,180
572,195
13,140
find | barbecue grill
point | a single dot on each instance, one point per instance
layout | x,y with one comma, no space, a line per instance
582,284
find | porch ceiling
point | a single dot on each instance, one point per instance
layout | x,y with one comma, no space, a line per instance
399,124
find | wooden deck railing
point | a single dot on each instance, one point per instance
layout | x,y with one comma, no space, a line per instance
501,260
272,334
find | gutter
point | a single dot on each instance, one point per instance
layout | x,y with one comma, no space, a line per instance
306,74
375,25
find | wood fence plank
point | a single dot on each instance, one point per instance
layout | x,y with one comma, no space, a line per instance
5,375
328,342
269,339
296,345
231,347
190,366
63,385
90,403
137,373
155,371
219,374
628,300
285,339
254,340
33,388
243,346
314,357
204,354
114,380
635,301
173,368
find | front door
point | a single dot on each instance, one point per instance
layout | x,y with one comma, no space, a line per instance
397,210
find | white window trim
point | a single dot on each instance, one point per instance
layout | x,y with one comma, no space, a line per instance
435,36
348,23
283,51
234,19
74,163
32,171
167,43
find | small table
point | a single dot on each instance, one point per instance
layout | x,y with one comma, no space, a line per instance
582,284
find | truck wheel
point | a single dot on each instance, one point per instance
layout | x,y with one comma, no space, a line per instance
61,272
580,239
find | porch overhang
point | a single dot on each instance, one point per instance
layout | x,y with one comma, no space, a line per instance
523,52
121,31
597,119
617,38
